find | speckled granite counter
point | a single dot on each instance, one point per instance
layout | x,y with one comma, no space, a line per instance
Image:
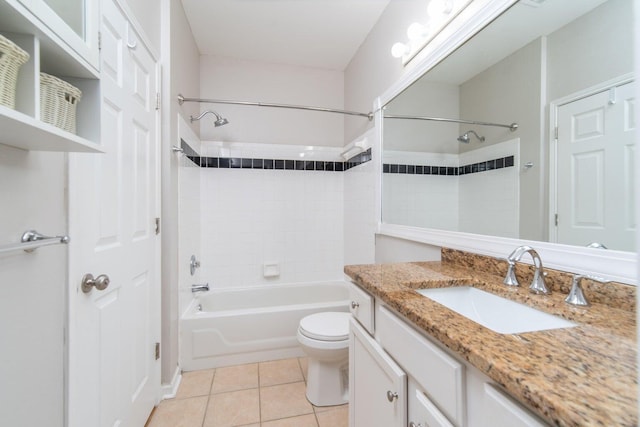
580,376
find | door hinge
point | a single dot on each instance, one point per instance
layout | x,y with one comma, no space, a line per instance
99,40
157,226
157,350
157,101
556,219
555,132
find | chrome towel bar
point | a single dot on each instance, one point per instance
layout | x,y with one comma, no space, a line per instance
31,240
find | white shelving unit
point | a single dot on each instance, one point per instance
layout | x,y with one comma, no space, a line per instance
22,127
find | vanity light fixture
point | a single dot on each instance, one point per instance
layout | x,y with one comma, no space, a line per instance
398,50
439,14
439,8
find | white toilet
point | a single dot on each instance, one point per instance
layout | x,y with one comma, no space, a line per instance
325,339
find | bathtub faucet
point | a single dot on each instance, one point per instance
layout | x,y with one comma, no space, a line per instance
199,288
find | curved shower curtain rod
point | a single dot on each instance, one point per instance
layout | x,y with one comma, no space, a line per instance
512,127
182,99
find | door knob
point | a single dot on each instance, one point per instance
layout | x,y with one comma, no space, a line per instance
100,283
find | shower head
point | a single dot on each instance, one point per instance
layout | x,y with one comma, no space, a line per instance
220,121
465,137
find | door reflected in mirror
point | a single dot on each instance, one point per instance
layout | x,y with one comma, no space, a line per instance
554,65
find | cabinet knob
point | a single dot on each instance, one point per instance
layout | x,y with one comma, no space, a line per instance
412,424
354,305
391,395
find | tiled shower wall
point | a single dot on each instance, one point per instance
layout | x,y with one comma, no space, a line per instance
265,219
483,199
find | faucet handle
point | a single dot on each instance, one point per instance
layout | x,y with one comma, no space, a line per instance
576,294
510,278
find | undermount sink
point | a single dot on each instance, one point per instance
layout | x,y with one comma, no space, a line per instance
496,313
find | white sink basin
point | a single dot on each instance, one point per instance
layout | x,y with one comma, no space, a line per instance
496,313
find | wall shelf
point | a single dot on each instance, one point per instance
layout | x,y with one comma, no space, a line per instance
27,133
49,52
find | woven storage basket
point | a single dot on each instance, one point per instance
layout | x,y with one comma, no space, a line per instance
58,102
12,58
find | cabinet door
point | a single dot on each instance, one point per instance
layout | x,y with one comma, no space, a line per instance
76,22
377,386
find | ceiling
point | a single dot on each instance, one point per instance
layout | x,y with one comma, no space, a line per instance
312,33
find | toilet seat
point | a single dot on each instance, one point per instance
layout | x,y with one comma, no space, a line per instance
329,326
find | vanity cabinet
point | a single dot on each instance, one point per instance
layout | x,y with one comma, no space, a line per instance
377,385
434,388
34,27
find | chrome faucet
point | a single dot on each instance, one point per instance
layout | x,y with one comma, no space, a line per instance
576,294
199,288
538,285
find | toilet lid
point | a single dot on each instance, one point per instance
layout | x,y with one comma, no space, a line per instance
330,326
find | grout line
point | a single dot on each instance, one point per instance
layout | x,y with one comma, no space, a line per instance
206,408
259,394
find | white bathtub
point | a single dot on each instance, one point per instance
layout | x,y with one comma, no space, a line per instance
249,325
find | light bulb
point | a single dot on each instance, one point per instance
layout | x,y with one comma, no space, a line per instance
398,50
437,8
417,31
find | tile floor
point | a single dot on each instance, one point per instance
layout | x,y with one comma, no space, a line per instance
265,394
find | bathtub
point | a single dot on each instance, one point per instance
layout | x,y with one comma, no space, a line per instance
235,326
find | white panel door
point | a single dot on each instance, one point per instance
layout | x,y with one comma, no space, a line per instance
114,376
595,170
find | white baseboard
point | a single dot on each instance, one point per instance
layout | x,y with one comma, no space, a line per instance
169,391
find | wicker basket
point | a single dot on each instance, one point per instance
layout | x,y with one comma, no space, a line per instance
12,58
58,102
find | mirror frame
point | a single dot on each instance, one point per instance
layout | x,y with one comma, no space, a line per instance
614,265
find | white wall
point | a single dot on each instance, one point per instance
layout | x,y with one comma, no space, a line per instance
360,219
190,228
285,217
180,64
226,78
372,69
571,67
33,290
512,91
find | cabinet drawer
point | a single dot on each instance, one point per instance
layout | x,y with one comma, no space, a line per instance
361,307
440,375
500,410
422,412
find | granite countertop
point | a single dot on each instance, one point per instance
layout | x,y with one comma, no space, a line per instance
580,376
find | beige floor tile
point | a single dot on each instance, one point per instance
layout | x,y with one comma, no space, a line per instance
302,421
335,418
280,372
236,408
195,383
304,365
179,413
328,408
283,401
234,378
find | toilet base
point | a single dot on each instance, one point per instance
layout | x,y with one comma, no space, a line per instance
328,382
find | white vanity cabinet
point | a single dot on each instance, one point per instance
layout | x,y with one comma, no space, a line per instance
377,385
434,388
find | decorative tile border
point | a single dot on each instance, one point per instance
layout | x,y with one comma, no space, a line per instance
275,164
502,162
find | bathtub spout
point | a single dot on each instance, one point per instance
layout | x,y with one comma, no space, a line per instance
199,288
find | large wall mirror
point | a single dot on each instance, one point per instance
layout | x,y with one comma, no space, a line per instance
541,65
